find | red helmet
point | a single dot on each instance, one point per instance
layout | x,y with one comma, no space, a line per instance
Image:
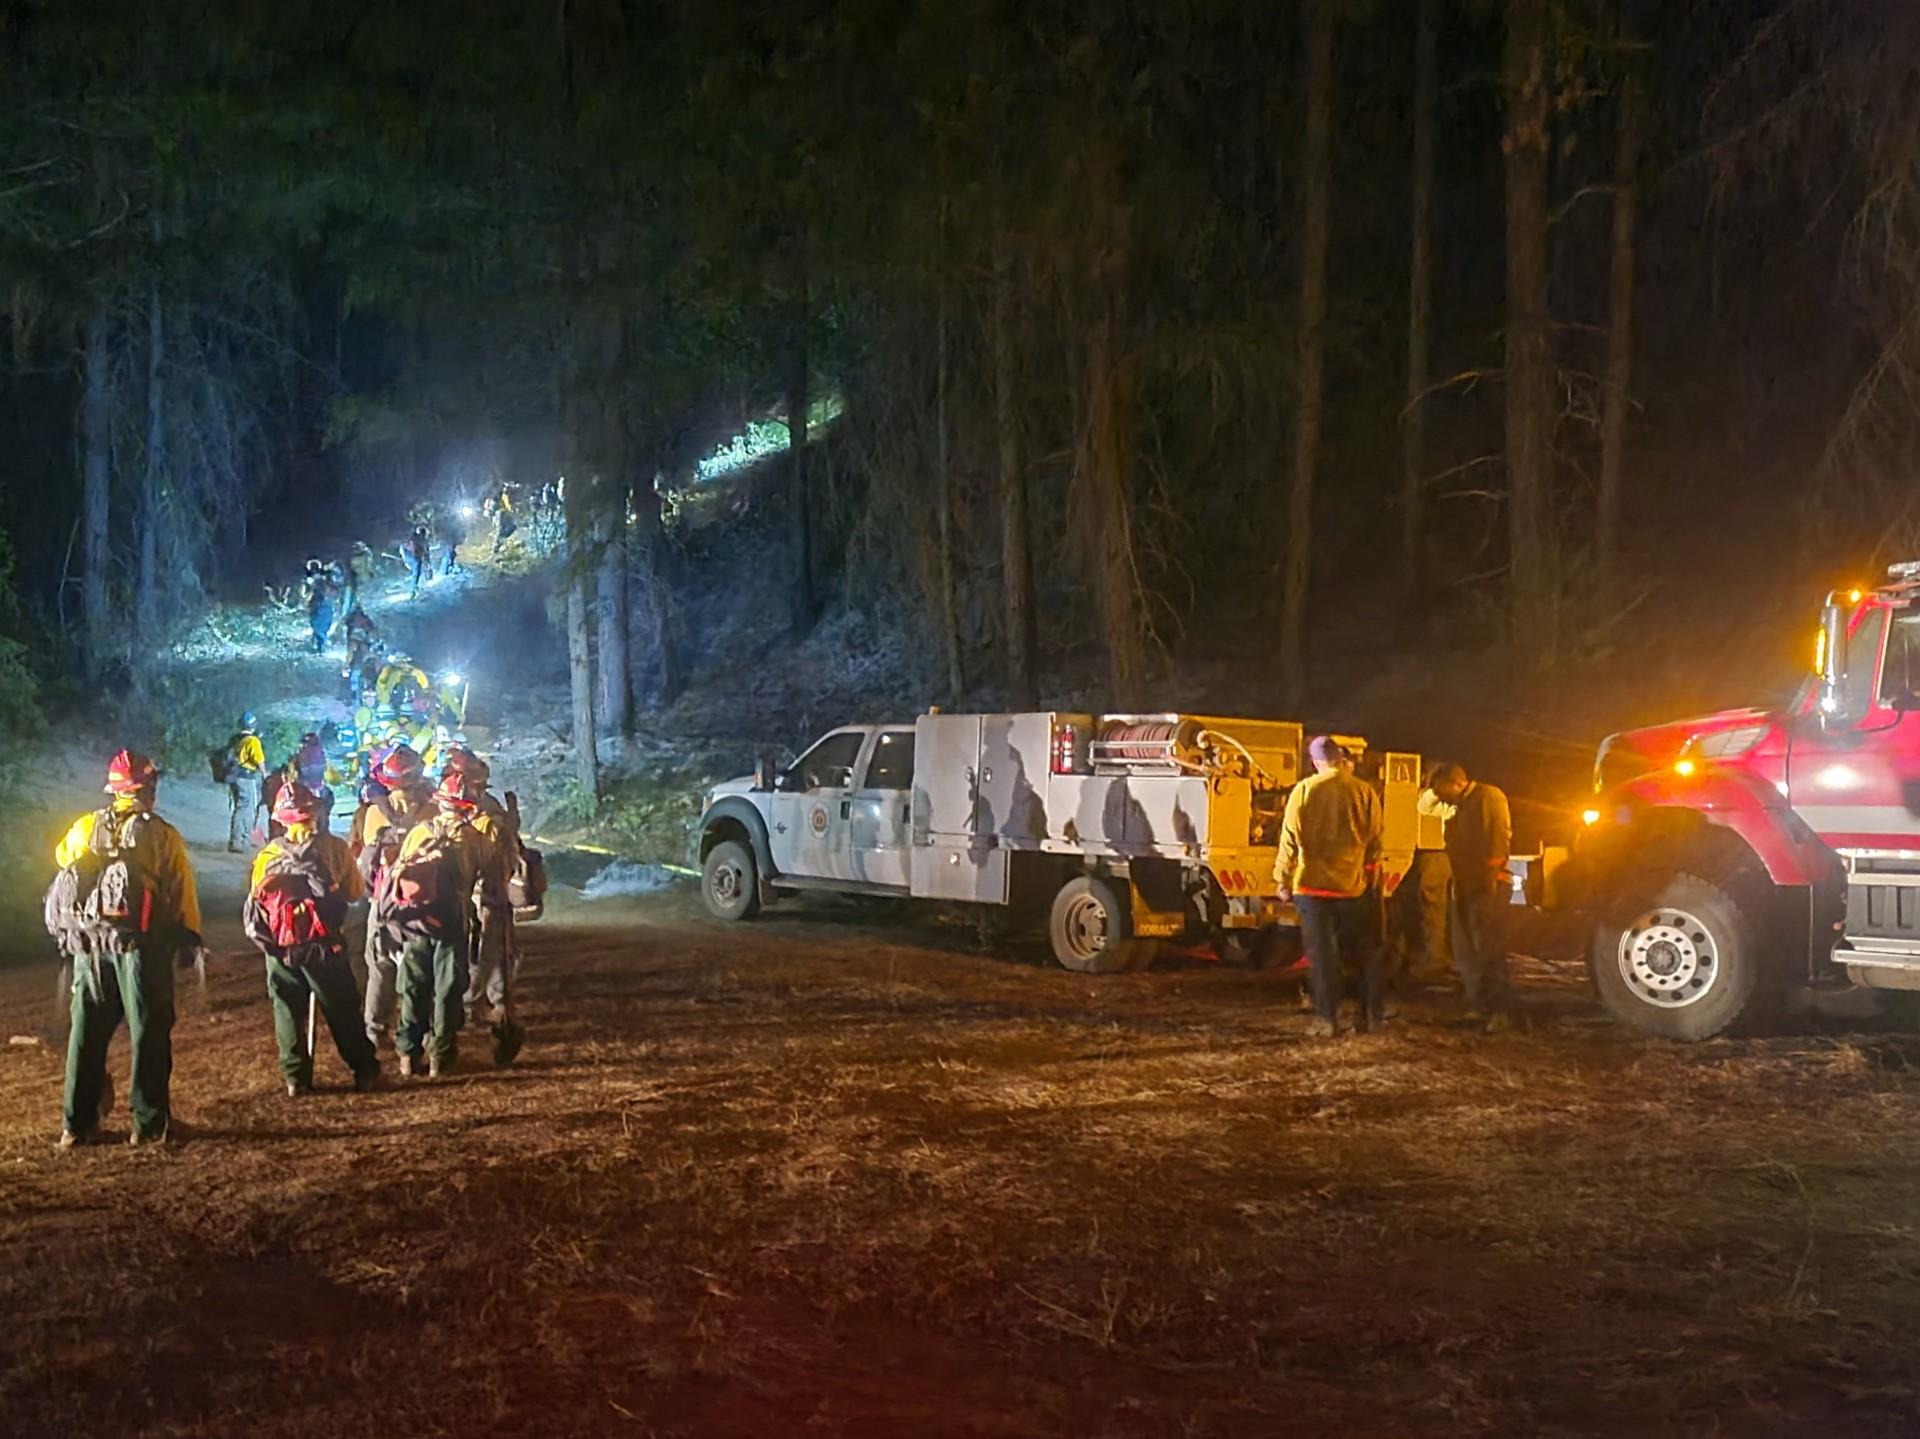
130,772
461,760
458,792
295,804
401,767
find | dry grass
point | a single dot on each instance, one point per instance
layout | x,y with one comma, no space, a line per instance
810,1177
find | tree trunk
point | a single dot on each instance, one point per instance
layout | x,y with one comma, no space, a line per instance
949,608
804,603
1529,340
1016,556
615,682
586,752
96,424
1616,401
1311,361
579,503
146,589
1413,420
656,582
1107,452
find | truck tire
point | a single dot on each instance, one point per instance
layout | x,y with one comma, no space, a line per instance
1682,961
729,881
1091,929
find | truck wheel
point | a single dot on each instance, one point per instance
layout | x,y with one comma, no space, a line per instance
729,883
1091,928
1682,963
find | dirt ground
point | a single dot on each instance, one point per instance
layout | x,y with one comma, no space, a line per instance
832,1174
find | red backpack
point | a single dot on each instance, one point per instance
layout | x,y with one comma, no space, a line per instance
418,895
296,905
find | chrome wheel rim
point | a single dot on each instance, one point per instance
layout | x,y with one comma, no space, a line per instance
1669,959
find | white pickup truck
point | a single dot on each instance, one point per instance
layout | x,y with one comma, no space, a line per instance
1126,830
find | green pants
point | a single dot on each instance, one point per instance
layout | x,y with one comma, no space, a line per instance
329,979
433,986
107,988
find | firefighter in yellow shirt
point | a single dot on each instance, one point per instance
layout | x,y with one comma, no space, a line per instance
296,913
246,764
492,953
126,911
425,900
382,827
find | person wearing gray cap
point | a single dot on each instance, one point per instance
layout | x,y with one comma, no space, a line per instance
1329,856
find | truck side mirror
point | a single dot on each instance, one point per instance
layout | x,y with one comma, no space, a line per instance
1833,666
766,773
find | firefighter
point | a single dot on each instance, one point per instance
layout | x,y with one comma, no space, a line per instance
246,766
302,885
1330,841
321,593
312,768
419,552
128,914
493,956
1479,839
382,828
505,521
399,686
425,900
362,636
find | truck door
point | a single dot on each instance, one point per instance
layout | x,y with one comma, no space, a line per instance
1857,785
809,814
880,811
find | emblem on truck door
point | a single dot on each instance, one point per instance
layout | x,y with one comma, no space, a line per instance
817,821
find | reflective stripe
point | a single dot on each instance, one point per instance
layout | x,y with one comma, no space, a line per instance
1859,818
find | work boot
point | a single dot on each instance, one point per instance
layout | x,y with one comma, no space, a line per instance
407,1067
1320,1027
69,1140
436,1066
507,1039
369,1081
137,1140
1370,1023
1499,1022
298,1088
232,848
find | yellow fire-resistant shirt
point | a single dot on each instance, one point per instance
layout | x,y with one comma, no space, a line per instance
176,902
401,809
329,852
1329,837
247,753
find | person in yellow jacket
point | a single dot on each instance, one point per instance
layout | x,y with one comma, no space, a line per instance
399,676
382,826
492,956
425,900
1330,843
129,913
246,767
308,872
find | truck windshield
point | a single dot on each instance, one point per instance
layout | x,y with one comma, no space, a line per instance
1900,675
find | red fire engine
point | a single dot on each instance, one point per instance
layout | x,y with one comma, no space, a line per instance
1732,858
